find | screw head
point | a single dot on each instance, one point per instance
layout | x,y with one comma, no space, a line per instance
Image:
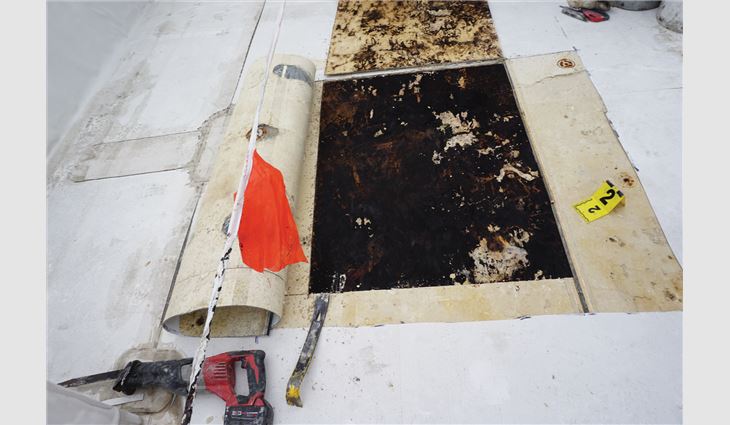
566,63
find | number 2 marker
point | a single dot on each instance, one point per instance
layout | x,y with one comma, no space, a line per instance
602,202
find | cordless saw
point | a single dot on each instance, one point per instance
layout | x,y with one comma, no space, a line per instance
218,376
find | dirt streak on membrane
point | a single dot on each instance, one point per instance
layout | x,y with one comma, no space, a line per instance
428,179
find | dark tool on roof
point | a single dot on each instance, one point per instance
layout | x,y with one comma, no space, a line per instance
585,15
305,358
218,377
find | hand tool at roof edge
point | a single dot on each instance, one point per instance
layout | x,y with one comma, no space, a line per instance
585,14
305,358
218,377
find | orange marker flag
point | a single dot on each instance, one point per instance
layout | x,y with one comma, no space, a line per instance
268,236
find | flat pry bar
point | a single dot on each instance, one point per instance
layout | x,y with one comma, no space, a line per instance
305,358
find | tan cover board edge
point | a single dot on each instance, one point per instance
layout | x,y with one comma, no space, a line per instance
622,262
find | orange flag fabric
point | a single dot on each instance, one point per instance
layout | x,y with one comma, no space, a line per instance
267,235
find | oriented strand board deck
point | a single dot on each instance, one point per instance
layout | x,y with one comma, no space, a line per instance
375,35
452,303
428,179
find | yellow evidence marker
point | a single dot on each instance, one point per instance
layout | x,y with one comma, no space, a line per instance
602,202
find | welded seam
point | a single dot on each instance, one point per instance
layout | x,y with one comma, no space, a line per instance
202,133
177,270
203,140
245,56
178,133
132,174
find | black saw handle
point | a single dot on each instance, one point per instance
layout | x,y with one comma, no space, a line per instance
165,374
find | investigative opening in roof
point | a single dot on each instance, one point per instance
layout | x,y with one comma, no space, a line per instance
428,179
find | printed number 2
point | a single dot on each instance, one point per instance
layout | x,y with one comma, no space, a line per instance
604,199
594,209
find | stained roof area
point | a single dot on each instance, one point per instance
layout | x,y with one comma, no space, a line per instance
125,182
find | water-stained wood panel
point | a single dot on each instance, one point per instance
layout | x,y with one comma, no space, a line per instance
373,35
428,179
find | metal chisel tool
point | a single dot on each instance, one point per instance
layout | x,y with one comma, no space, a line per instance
305,358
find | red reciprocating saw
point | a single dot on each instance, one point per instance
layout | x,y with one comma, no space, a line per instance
218,377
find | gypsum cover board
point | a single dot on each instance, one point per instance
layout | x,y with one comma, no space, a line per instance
376,35
622,261
248,298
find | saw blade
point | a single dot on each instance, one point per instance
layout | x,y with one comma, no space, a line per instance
90,379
